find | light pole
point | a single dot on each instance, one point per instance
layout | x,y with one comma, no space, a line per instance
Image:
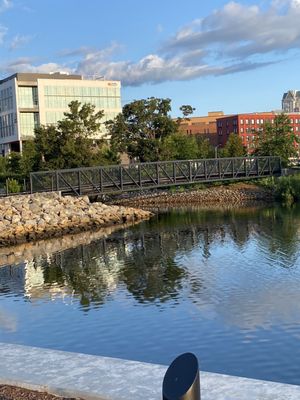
216,150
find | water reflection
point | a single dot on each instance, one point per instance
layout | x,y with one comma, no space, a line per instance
146,258
223,284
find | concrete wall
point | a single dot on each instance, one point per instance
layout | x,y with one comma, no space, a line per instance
102,378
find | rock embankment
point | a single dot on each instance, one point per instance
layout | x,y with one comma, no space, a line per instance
45,215
239,194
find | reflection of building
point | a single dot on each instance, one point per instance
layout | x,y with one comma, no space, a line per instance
205,127
28,100
35,286
291,101
248,124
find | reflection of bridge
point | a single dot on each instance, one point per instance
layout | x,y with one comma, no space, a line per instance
122,178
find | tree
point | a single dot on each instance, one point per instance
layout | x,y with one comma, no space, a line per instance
186,110
234,147
277,139
72,142
3,165
141,128
205,149
179,147
28,159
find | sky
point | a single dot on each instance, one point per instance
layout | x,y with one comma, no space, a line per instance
234,56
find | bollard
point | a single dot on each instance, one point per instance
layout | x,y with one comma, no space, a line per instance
182,380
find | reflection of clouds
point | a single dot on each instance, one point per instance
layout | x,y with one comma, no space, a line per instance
262,306
8,322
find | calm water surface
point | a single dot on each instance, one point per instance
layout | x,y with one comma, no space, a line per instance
222,284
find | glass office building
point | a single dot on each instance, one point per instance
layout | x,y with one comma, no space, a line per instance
29,100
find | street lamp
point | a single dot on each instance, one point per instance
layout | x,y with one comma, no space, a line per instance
216,150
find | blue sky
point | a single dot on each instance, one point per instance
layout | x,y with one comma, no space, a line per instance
235,56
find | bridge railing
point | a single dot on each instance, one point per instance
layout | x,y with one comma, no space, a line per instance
119,178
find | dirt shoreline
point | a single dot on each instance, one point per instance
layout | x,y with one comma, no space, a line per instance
17,393
227,196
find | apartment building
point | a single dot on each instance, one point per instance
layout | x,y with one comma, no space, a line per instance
28,100
291,101
247,125
204,126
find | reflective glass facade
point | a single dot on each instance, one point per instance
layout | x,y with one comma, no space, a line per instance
6,99
28,122
102,98
7,125
28,97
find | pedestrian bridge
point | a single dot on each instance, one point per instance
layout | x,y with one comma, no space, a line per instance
150,175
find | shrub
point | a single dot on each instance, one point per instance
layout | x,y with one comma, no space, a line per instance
13,186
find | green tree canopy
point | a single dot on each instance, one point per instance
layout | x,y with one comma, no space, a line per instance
179,147
72,142
277,139
234,147
141,128
205,149
186,110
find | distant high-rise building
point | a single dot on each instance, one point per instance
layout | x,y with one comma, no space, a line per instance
28,100
291,101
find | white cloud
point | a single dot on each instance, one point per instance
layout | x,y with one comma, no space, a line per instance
3,32
26,64
5,5
234,38
239,30
19,41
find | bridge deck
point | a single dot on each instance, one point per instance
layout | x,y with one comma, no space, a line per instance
121,178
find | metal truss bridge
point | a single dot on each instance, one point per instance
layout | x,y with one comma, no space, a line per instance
150,175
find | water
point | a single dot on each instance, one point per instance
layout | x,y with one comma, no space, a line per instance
222,284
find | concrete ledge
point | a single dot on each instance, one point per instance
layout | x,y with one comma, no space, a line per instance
102,378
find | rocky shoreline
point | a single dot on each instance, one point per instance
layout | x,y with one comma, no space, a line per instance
233,195
46,215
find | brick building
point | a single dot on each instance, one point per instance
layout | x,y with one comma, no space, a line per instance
205,126
247,125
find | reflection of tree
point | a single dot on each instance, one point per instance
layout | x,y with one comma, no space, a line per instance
146,257
87,270
151,274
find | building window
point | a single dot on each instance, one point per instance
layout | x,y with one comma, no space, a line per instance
242,130
28,97
252,121
242,121
28,123
247,121
6,99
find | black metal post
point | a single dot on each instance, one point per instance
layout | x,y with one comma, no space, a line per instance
121,177
57,179
79,182
182,379
31,185
101,180
140,175
174,172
